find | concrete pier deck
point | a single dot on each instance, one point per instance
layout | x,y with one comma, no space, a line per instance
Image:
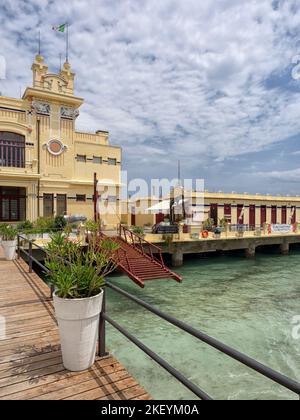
183,245
30,358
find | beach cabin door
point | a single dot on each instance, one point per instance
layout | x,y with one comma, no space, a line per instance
283,215
274,215
252,216
263,214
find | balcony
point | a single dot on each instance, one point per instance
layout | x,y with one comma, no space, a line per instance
12,155
12,150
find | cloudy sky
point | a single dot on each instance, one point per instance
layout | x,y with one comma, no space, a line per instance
214,83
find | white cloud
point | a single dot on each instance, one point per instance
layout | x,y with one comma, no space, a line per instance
168,79
292,175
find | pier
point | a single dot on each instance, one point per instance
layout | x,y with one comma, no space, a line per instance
30,358
249,243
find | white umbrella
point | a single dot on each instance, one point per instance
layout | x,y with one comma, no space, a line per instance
292,214
162,205
242,214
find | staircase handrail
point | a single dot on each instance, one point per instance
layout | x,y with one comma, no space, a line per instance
142,241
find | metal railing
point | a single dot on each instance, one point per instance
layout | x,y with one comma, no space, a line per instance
31,258
251,363
146,248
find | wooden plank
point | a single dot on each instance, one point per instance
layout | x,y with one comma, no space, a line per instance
85,386
99,392
30,357
7,366
53,383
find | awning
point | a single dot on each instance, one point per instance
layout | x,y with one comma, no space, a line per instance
162,205
165,205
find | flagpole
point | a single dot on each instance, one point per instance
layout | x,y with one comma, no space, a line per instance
67,44
39,42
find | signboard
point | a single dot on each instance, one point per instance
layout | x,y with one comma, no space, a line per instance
281,228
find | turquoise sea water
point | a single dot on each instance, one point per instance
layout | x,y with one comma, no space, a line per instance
247,304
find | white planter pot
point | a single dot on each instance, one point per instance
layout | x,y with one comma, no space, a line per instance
9,249
78,321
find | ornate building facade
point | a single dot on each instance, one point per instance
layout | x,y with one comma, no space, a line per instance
46,166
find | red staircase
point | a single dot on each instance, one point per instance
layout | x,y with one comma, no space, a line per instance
139,259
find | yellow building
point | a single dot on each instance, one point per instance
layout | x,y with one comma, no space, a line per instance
248,209
46,166
251,209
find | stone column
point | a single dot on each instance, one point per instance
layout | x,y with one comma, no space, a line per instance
234,214
246,215
177,258
279,215
250,252
269,214
257,215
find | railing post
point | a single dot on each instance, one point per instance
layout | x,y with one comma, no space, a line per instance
102,333
141,245
30,256
162,260
151,253
51,291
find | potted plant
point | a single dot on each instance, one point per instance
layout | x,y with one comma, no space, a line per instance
78,276
208,224
138,230
9,242
2,229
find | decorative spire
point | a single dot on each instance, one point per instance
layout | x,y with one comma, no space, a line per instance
39,69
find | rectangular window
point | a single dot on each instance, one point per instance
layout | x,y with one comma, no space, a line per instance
61,204
112,199
80,197
97,159
112,161
81,158
48,205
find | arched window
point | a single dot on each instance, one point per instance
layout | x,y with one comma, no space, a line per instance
12,149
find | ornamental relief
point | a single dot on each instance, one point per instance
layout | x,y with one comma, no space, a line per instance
54,83
41,107
68,112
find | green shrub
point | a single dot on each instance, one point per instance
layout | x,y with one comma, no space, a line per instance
208,224
223,222
76,273
45,223
138,231
59,222
92,226
9,233
25,225
3,226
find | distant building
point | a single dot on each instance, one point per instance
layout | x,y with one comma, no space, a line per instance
248,209
46,166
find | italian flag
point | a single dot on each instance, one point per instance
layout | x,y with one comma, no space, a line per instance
60,28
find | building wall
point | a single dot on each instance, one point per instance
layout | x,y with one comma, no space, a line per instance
247,200
222,199
47,112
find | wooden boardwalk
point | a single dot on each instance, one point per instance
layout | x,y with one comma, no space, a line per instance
30,359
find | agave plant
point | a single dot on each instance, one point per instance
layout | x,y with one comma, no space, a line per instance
76,272
8,233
